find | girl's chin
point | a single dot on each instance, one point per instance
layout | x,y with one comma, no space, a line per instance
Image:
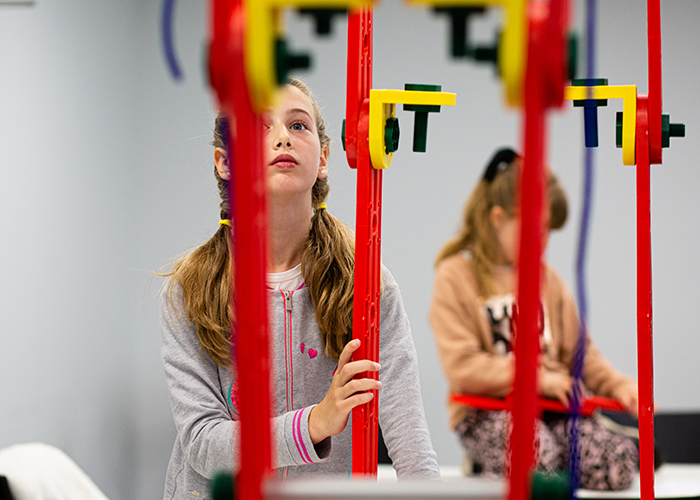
282,193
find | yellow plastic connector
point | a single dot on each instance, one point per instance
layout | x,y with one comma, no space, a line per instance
382,106
513,44
263,28
628,94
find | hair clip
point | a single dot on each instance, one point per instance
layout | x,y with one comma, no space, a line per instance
501,160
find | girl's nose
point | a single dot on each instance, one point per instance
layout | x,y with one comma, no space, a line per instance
282,138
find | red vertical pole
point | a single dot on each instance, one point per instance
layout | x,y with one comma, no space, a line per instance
367,296
529,269
528,299
544,88
366,301
655,92
247,190
645,366
359,76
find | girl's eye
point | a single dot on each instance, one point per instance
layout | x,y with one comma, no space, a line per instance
298,126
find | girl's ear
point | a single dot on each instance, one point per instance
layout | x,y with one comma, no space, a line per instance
323,163
222,165
497,216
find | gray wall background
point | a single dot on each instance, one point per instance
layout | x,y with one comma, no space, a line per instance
106,175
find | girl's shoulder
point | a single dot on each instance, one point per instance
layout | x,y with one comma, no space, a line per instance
457,263
553,280
457,269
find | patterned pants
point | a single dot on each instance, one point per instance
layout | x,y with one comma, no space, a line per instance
608,460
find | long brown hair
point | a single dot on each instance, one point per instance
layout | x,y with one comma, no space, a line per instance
477,234
327,265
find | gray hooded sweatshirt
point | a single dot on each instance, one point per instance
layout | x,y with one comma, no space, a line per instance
203,397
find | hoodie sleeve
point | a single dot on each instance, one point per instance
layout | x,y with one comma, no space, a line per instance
401,415
206,430
599,375
464,346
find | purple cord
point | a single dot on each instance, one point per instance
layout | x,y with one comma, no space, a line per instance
167,32
580,270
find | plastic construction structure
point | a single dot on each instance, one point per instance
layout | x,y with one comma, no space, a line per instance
248,59
234,26
642,130
370,137
590,405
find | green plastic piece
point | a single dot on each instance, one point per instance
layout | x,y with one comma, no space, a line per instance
459,24
222,486
590,82
323,18
459,35
487,53
669,130
618,129
420,124
286,61
573,56
391,135
342,135
551,486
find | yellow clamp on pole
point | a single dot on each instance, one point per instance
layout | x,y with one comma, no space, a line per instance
628,94
512,49
382,106
264,27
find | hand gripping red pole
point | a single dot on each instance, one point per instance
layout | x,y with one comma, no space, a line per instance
367,288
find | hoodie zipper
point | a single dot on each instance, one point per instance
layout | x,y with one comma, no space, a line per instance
288,346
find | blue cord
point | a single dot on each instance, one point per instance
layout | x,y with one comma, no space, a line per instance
167,32
580,270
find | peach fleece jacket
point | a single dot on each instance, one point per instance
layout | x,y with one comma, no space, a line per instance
465,340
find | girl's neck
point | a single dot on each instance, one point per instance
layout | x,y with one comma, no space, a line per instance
290,220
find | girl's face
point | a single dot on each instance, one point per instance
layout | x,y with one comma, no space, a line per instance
292,150
507,229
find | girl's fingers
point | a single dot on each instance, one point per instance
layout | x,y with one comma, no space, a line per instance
349,370
359,385
345,356
363,365
359,399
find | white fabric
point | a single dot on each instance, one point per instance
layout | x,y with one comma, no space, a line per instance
37,471
286,281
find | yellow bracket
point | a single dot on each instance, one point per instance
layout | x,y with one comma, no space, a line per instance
264,27
628,94
382,105
513,44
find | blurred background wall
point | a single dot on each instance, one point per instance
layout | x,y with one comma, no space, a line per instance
106,176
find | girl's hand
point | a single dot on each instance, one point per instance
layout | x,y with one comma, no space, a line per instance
555,385
331,415
628,397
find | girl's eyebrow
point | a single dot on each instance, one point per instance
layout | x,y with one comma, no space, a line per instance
299,110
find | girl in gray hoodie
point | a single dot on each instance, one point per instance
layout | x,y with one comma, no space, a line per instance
310,290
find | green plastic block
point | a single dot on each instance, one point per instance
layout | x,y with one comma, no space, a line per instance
285,61
342,135
573,56
323,18
420,124
551,486
459,28
391,135
590,82
618,129
669,130
222,486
